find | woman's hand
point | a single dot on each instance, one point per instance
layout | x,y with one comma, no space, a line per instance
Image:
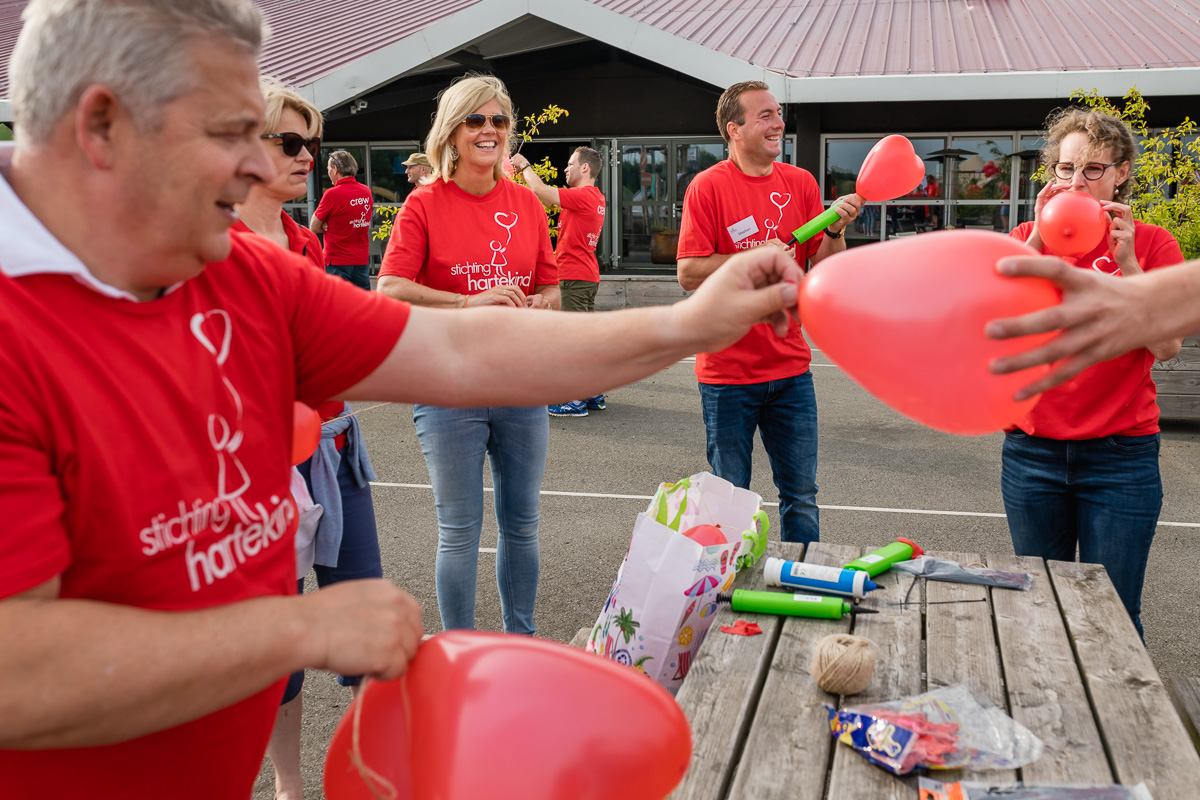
1047,193
506,295
538,301
1120,238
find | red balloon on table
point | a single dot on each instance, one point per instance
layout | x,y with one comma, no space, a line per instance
1072,224
905,320
306,432
706,535
491,715
891,169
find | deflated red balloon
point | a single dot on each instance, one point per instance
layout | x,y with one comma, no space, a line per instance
485,715
905,320
1072,224
306,432
706,535
891,169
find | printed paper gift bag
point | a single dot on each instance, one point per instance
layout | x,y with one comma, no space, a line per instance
663,600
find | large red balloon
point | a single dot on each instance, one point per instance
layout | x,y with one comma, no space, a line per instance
891,169
1072,224
490,715
905,320
306,432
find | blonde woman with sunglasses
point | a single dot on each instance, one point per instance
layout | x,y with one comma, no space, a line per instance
467,238
1080,471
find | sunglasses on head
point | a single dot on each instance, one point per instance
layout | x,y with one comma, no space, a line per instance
292,142
476,121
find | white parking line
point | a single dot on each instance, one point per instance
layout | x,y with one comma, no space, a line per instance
876,509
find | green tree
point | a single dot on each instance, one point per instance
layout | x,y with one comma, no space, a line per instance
1166,175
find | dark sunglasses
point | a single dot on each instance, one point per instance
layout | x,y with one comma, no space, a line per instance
292,142
476,121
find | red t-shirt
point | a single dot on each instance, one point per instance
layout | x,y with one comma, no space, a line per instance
726,211
346,209
454,241
303,242
579,227
1112,397
144,451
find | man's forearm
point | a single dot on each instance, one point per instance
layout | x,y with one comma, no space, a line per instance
691,272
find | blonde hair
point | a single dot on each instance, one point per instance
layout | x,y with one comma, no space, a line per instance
277,97
136,48
1104,131
455,102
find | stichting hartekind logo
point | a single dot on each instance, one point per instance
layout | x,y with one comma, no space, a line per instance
252,528
481,277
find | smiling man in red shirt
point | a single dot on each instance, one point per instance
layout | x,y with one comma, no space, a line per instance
344,216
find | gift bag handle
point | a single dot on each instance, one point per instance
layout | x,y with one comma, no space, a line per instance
660,498
756,539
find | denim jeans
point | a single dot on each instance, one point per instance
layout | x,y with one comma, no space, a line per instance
785,414
454,441
1103,495
360,276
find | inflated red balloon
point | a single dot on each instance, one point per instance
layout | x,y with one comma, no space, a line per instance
306,432
1072,224
905,320
706,535
491,715
891,169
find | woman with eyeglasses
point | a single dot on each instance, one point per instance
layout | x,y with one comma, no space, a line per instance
337,475
469,237
1081,470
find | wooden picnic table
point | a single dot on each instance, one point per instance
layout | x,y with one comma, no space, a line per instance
1063,659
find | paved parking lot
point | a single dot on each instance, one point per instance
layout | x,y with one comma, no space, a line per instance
880,476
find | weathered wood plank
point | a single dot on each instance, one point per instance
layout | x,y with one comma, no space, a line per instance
1145,739
721,691
899,671
787,751
1186,694
1045,689
960,644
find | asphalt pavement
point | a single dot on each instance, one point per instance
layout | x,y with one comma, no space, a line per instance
880,476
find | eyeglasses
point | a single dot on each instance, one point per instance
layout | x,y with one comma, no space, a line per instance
292,142
1065,170
476,121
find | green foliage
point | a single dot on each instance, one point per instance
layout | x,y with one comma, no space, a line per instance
1168,161
5,133
544,169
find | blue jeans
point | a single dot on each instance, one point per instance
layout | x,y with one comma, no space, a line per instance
454,441
360,276
1103,495
785,413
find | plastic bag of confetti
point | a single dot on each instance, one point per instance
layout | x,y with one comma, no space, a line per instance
943,569
974,790
949,728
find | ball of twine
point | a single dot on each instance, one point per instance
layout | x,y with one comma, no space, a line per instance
843,664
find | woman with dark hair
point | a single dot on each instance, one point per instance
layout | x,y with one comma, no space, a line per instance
1081,469
469,237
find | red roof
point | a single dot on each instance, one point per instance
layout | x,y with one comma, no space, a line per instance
313,38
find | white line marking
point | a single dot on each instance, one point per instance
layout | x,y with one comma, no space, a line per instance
487,549
876,509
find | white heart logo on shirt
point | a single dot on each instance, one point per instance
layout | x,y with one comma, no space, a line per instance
198,324
776,196
503,215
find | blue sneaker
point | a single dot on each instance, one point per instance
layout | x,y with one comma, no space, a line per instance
575,408
596,403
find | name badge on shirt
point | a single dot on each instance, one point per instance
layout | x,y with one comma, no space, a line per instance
743,228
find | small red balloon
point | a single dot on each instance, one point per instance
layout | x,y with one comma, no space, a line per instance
706,535
492,715
905,320
306,432
891,169
1072,224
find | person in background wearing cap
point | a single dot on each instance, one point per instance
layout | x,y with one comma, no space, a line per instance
344,216
417,168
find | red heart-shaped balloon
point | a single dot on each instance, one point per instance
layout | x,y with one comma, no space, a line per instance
306,432
891,169
905,320
491,715
1072,224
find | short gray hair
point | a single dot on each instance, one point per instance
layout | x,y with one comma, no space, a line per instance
344,163
134,47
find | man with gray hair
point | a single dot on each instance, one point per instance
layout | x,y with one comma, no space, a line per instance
344,216
151,363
